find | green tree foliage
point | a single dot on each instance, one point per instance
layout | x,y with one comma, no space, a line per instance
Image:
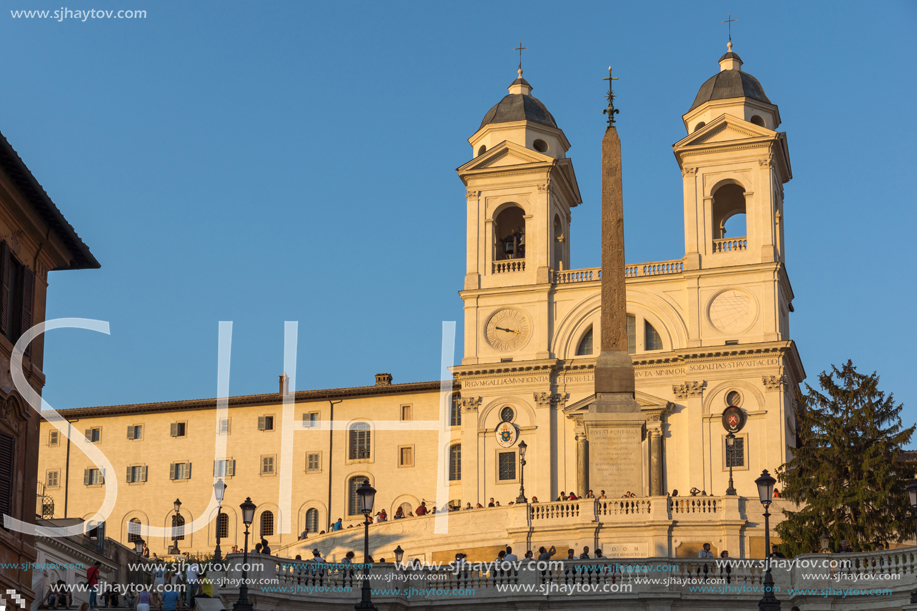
845,473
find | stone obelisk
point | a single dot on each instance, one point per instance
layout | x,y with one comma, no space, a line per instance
615,426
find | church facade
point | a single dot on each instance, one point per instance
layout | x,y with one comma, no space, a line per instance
706,332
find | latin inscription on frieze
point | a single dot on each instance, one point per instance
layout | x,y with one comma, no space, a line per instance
506,381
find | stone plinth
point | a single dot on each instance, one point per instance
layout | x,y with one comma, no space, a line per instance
615,452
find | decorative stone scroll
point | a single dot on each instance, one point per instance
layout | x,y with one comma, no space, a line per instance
471,404
773,382
691,388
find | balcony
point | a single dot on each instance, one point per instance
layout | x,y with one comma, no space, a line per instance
730,244
636,270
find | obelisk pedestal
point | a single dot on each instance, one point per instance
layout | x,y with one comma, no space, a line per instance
614,424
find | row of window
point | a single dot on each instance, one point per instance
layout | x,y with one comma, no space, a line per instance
359,432
265,521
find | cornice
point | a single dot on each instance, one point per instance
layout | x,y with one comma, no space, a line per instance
464,372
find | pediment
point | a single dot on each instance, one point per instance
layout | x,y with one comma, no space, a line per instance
505,154
646,401
724,128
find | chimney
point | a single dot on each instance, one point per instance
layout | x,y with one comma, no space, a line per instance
383,379
284,384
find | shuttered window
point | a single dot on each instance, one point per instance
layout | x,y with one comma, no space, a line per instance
265,423
455,463
224,468
93,477
136,474
7,453
455,412
94,435
309,420
313,462
17,287
406,457
53,480
53,438
135,431
177,429
267,465
180,470
360,441
224,426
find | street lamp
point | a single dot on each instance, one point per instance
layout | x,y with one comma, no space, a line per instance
175,522
730,456
248,516
138,548
367,495
765,485
399,554
824,540
912,492
219,490
521,498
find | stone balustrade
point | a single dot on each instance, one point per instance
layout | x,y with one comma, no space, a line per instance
636,270
848,582
508,266
730,244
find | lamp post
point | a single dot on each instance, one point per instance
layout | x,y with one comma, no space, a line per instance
248,516
399,554
765,484
367,495
521,498
177,507
824,540
730,456
219,490
912,493
138,548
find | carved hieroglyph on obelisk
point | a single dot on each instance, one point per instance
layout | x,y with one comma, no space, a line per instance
614,424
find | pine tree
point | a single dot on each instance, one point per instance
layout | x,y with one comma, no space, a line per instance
845,473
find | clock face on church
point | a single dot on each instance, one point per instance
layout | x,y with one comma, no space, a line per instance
507,330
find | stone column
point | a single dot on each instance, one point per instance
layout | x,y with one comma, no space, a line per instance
656,481
582,464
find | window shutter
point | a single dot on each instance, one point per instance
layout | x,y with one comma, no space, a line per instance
172,471
173,431
4,288
28,285
129,474
102,476
260,423
130,432
86,476
216,468
89,435
232,468
188,471
143,478
7,445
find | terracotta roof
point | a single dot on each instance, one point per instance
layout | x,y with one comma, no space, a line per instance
22,177
245,400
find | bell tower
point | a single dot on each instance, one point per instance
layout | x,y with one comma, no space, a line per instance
520,189
734,165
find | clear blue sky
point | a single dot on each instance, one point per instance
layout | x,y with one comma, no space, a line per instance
269,161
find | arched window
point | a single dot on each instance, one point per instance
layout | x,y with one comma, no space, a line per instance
312,520
651,338
631,334
455,412
757,120
406,508
728,202
509,234
699,125
360,439
267,524
178,527
353,499
482,149
223,526
133,530
557,258
585,344
455,463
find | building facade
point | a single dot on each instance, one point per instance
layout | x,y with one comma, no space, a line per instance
36,239
706,332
